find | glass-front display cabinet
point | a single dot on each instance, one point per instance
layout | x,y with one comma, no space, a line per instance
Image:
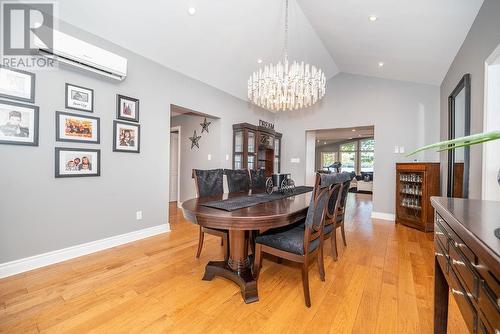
415,184
256,147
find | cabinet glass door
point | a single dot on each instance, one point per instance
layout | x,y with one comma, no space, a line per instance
251,142
237,161
238,141
251,162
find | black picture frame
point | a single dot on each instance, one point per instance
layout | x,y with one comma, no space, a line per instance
98,128
58,150
36,111
119,97
31,99
66,104
463,84
115,126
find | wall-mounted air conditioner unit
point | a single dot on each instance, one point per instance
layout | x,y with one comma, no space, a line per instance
72,51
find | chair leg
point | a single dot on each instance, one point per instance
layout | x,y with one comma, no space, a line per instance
252,241
257,261
343,233
321,264
305,283
334,244
225,244
200,242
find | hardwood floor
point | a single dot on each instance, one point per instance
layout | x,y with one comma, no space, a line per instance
382,283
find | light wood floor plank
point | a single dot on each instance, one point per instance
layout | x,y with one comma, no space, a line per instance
382,283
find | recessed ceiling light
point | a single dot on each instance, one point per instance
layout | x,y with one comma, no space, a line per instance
324,143
372,18
359,135
259,61
191,11
353,130
380,64
349,138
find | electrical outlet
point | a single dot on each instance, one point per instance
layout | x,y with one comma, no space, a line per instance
138,215
295,160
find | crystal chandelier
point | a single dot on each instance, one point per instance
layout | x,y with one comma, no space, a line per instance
286,86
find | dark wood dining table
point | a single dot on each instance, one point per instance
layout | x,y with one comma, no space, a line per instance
240,223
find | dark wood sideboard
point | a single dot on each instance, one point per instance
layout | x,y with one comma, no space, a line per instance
467,262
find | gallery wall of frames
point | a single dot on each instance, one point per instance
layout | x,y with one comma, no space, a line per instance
19,123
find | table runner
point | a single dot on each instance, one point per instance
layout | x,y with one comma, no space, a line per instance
236,203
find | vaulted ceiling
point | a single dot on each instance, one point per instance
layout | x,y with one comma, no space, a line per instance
220,44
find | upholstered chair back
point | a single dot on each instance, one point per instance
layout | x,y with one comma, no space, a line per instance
208,182
237,180
258,178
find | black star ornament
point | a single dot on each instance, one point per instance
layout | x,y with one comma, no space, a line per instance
204,125
195,140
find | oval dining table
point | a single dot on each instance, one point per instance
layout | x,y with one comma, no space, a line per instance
240,223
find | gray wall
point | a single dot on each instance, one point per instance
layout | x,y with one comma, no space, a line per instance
196,157
39,213
403,113
481,41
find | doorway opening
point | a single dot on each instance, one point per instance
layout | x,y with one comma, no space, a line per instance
491,122
187,154
338,150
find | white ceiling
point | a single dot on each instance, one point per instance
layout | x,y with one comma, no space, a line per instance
415,39
220,44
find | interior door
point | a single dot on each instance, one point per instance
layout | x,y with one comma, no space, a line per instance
174,164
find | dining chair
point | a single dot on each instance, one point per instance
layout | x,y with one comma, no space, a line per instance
258,179
298,243
237,180
332,211
210,183
338,219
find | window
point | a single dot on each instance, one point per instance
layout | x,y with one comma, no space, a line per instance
348,156
366,154
328,158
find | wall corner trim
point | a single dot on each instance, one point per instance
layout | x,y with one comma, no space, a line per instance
45,259
383,216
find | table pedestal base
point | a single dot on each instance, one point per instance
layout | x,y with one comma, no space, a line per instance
242,277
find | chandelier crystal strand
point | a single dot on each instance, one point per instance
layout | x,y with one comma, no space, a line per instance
286,86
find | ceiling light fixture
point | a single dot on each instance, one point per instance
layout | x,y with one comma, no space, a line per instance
191,11
286,86
259,61
372,18
324,143
381,64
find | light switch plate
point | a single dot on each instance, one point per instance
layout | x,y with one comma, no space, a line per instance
209,157
295,160
138,215
401,149
396,149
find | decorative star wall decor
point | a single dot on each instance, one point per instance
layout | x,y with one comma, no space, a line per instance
204,125
195,140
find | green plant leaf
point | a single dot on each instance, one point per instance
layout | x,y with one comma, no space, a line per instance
460,142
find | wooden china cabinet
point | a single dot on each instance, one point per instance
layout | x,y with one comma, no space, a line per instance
415,184
256,147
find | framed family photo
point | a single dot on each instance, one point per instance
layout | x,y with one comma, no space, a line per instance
77,162
18,123
126,137
79,98
17,84
77,128
127,108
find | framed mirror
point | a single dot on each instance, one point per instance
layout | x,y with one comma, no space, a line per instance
459,126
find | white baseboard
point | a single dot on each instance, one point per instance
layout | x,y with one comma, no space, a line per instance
45,259
383,215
